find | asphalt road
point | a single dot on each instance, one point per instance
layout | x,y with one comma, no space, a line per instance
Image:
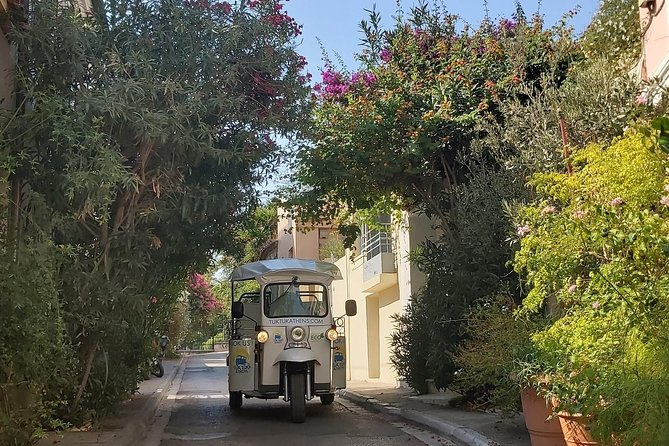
195,411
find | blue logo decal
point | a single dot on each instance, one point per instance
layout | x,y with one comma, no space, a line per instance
338,361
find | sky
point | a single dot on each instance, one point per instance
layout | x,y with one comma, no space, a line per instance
335,23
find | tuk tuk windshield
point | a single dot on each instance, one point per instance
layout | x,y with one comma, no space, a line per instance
295,299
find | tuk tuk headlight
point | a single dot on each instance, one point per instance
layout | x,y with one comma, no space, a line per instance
262,336
332,334
297,334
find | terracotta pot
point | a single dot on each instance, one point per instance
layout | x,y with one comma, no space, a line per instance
536,410
575,430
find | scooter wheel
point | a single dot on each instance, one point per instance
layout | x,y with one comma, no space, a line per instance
157,369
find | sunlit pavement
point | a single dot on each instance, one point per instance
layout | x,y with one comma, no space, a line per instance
195,411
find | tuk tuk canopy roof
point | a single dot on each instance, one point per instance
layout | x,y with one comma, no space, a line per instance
259,269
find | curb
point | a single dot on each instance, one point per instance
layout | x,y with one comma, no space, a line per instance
129,434
464,435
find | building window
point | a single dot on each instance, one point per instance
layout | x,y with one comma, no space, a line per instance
323,235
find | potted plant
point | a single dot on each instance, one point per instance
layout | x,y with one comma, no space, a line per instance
498,364
595,242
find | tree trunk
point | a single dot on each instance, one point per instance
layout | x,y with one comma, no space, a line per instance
84,379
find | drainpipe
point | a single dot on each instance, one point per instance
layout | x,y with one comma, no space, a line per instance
347,320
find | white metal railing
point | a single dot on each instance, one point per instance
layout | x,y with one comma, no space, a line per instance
375,242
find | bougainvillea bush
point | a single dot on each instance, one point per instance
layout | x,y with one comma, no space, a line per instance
403,124
206,313
596,244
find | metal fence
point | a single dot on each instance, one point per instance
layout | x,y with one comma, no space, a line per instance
216,343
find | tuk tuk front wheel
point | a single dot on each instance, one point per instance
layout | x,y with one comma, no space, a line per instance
298,403
235,400
327,399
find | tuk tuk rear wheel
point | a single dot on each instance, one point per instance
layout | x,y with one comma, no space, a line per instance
327,399
235,400
298,403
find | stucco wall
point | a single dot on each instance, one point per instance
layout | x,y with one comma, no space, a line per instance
368,333
306,244
388,304
304,240
356,326
411,233
656,41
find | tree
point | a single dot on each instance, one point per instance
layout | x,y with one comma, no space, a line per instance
403,125
142,131
615,33
257,232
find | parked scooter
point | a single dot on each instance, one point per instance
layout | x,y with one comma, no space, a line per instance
157,362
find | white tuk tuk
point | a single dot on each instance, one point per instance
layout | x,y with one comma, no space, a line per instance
285,341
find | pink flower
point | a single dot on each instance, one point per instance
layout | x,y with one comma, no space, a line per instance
617,201
641,99
595,305
522,231
665,200
369,78
334,84
385,55
572,289
579,214
508,26
276,19
154,300
224,6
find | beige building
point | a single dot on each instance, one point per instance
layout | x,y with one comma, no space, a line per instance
377,274
654,16
300,241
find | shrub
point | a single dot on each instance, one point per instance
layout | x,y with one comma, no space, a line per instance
596,243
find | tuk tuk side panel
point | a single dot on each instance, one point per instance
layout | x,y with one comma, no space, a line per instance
339,363
241,369
322,348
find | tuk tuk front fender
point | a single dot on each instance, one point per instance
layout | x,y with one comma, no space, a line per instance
296,355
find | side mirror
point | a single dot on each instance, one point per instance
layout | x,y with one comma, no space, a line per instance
351,307
237,310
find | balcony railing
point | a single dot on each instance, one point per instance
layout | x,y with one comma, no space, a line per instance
377,247
376,242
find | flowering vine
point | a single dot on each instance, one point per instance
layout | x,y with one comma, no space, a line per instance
201,293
